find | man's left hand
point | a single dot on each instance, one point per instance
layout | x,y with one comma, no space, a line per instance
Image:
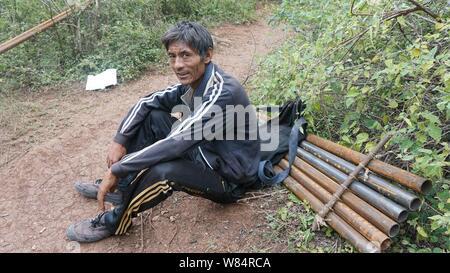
108,184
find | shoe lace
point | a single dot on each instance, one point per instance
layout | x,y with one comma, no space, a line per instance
95,222
98,181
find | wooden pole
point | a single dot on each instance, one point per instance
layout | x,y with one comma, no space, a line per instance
37,29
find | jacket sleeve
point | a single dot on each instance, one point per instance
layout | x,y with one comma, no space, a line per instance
206,123
164,99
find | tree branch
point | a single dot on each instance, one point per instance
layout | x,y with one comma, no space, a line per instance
424,9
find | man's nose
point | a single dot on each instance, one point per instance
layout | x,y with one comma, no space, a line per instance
178,64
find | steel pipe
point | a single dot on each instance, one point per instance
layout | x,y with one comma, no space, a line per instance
370,213
410,180
336,222
377,183
387,206
360,224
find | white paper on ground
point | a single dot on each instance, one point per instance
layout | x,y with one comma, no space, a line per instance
102,80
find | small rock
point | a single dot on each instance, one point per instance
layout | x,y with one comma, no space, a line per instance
42,230
33,247
172,219
154,219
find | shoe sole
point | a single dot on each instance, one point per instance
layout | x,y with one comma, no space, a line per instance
72,236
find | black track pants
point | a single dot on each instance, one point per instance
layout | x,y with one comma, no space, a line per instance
149,187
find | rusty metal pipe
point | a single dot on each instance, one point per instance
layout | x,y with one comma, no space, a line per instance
387,206
410,180
373,215
360,224
336,222
377,183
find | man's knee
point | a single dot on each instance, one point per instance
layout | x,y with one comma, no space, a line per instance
161,171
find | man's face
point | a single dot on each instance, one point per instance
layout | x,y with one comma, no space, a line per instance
187,63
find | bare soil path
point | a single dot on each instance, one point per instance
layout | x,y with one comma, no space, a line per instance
59,136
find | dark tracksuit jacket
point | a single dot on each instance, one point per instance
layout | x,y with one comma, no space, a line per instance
236,160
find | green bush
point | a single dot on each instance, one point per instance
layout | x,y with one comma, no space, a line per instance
364,75
121,34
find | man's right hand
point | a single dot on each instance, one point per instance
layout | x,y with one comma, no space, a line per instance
115,153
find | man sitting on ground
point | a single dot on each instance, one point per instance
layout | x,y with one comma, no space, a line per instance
209,153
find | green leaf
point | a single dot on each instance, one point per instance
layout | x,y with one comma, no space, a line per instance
432,118
425,151
316,106
353,92
422,232
392,104
408,121
372,124
362,137
439,26
389,62
369,146
427,66
415,52
349,102
434,131
421,138
347,139
401,21
294,199
437,250
407,157
283,212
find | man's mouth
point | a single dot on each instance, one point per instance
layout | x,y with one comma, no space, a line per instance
182,75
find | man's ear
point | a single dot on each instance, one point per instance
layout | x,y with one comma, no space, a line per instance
208,56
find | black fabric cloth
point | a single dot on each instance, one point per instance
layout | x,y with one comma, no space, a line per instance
289,113
149,187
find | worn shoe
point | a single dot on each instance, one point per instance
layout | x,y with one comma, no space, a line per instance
90,230
90,190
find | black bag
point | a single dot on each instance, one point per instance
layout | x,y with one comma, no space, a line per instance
292,131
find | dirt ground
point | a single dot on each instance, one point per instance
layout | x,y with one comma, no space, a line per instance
59,136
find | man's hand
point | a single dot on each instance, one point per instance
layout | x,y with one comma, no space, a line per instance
108,184
115,153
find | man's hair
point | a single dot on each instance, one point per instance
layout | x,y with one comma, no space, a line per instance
193,34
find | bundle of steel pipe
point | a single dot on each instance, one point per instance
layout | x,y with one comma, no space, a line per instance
336,222
410,180
372,207
372,180
368,230
384,204
369,212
